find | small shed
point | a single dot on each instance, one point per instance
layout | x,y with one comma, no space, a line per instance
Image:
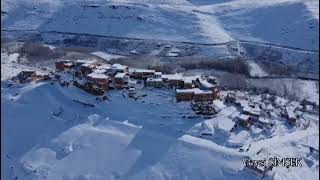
310,105
244,120
290,115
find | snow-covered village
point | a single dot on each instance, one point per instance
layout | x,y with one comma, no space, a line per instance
170,90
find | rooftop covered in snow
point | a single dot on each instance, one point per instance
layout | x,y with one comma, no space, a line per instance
154,80
94,75
118,66
120,75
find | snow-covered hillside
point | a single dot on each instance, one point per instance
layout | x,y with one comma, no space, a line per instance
291,23
127,139
85,142
285,22
113,18
52,130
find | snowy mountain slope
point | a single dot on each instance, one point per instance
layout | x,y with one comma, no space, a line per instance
313,7
305,62
193,21
290,23
207,2
140,20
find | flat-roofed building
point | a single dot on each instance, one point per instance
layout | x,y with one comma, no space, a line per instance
88,67
184,94
244,120
101,80
120,80
64,65
187,83
203,95
143,74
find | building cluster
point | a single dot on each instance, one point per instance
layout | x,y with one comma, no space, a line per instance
93,76
30,75
254,109
257,109
194,88
99,77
